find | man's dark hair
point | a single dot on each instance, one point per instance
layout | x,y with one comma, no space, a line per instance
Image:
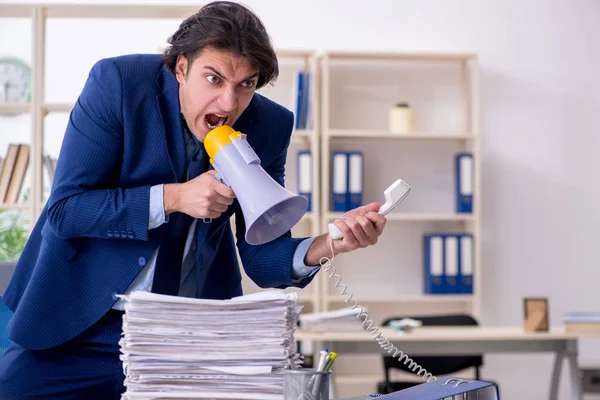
227,26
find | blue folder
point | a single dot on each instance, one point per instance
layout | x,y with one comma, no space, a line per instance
442,388
433,263
464,182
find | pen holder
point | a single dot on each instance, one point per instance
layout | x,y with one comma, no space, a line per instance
306,384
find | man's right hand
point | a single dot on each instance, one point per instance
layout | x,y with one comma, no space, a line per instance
201,197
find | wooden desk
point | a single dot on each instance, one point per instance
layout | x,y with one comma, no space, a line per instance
463,341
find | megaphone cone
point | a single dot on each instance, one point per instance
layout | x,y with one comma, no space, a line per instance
269,209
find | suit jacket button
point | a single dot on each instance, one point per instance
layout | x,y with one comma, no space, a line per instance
116,234
114,296
109,234
130,235
142,261
124,234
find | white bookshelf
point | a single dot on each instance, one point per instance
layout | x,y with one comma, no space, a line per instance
343,78
358,90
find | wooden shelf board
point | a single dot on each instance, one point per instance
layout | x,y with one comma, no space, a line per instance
442,298
118,11
381,56
8,108
380,134
294,53
15,11
57,107
302,133
392,216
15,206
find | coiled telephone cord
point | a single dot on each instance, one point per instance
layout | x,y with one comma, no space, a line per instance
328,267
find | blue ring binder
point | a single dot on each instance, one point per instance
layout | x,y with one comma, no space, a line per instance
441,389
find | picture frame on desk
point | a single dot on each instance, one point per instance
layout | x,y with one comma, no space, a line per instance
535,311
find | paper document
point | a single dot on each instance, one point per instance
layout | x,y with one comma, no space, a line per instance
344,319
182,348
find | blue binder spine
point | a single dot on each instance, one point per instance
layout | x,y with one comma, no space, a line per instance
451,267
298,117
306,105
305,176
433,263
355,179
340,181
466,265
464,182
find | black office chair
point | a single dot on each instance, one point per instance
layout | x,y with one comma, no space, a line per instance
436,365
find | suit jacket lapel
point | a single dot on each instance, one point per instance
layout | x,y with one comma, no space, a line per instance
170,112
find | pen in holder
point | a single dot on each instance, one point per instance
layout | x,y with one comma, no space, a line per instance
306,384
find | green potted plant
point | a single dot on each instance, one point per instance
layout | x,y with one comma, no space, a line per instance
13,235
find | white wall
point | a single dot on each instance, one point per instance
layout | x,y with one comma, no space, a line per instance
540,98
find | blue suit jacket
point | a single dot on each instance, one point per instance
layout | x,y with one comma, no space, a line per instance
92,238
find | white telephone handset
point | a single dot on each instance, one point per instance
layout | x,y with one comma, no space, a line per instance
393,196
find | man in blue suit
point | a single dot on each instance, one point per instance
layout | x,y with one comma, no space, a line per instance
131,188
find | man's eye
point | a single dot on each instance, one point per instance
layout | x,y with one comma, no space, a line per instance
213,79
248,84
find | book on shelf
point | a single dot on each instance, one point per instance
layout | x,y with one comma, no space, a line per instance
14,168
18,173
13,172
582,322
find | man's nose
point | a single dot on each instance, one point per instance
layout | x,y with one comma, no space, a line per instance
228,100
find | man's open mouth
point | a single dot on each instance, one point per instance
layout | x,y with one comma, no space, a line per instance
215,120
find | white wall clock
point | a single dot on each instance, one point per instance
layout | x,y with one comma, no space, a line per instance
15,81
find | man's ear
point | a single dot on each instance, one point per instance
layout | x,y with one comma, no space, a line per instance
181,67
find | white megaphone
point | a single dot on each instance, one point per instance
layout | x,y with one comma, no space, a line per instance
269,209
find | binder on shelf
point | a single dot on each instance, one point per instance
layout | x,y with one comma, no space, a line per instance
340,181
450,281
433,263
305,176
306,104
355,179
466,263
464,180
302,114
298,100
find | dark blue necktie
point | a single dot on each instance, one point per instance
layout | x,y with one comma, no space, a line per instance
167,271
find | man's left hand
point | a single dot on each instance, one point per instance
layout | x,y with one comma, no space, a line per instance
361,228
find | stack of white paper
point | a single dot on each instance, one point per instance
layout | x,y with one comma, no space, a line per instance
182,348
345,319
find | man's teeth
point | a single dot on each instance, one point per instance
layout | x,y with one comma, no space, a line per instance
222,119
